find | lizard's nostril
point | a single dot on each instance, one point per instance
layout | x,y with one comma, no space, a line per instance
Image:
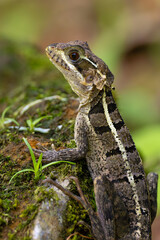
50,48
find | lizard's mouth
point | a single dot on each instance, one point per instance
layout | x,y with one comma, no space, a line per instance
50,53
55,57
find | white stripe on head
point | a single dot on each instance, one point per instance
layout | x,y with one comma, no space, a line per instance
95,65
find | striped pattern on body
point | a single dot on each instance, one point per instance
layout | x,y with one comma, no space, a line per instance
123,152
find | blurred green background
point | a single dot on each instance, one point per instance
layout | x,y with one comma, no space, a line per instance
125,34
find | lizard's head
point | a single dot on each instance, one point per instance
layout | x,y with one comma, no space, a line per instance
86,73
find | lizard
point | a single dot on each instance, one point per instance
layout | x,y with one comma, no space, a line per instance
125,198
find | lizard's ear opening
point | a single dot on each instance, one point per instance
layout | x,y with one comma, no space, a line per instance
101,80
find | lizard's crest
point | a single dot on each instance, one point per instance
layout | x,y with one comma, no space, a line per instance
86,73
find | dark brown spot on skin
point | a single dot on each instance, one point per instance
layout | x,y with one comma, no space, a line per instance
98,108
79,69
123,179
113,152
119,125
108,93
137,178
111,107
66,66
131,149
101,130
62,63
57,60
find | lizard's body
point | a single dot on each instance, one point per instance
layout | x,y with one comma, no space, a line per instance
112,155
125,208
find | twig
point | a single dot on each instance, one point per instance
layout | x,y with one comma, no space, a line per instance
79,235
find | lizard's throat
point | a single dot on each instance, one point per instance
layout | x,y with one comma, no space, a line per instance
91,99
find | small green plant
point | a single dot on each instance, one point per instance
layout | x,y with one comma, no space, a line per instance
37,165
32,123
4,120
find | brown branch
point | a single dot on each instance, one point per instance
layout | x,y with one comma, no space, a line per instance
77,233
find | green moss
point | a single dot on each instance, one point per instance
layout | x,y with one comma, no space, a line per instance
28,211
71,144
2,221
27,217
7,205
30,217
11,236
75,212
41,193
27,238
8,136
1,202
42,81
15,203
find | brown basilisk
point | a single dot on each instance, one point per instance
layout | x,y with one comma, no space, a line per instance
125,199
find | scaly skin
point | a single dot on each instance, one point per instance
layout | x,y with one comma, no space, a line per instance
125,208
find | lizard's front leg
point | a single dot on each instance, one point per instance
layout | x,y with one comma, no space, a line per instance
69,154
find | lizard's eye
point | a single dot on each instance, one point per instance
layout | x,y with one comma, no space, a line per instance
74,56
